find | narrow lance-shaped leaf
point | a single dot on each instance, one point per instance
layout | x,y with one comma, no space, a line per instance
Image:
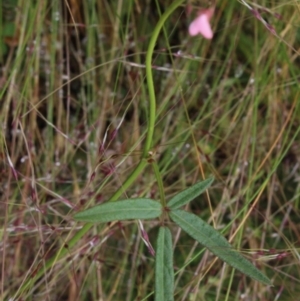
216,243
189,194
164,272
121,210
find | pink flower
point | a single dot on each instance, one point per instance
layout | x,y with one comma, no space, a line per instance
201,24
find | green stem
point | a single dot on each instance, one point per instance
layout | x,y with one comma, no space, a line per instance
160,184
152,99
139,168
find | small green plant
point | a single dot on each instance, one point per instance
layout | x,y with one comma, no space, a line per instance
142,208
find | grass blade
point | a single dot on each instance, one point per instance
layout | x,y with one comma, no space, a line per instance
121,210
216,243
164,272
189,194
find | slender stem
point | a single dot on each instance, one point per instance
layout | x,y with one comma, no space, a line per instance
152,99
160,184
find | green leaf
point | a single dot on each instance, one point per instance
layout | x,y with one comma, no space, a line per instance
189,194
164,272
121,210
216,243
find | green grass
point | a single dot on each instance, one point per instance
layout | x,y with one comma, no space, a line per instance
229,107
